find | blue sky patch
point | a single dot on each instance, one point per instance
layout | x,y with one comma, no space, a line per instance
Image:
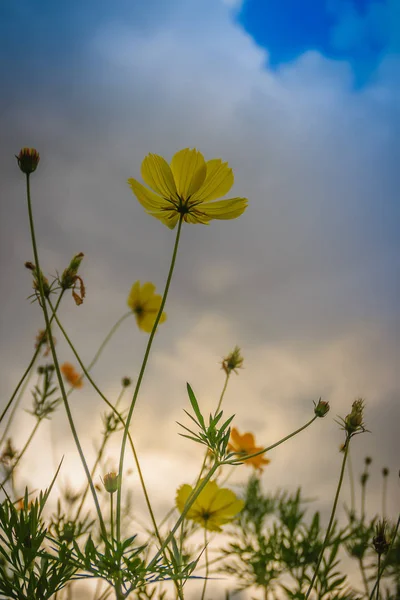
352,30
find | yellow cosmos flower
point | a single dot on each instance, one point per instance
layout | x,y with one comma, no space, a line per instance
213,507
186,187
245,444
145,304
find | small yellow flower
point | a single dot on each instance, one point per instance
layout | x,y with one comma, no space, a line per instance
145,304
213,507
186,188
245,444
71,376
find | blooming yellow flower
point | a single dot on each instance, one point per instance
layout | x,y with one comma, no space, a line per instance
213,507
73,378
245,444
145,304
186,187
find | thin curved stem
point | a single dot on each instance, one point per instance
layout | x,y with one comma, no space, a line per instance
207,565
56,363
115,411
328,531
192,498
100,453
21,454
351,482
24,380
140,377
287,437
107,339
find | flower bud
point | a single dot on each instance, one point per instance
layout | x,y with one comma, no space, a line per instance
111,481
28,160
354,421
322,408
385,471
380,541
126,382
233,361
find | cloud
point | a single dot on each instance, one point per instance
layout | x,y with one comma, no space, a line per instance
304,281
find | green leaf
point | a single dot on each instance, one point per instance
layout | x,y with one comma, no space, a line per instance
195,405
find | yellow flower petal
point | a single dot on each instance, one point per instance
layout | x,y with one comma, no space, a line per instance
218,181
147,292
189,170
134,295
224,209
157,173
182,497
151,202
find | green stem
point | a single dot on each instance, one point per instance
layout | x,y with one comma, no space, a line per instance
114,409
222,393
55,360
328,531
363,496
384,496
139,380
287,437
21,454
351,481
107,339
378,577
207,565
192,498
112,519
29,367
25,377
216,412
384,563
100,453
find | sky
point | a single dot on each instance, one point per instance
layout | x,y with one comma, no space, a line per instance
304,105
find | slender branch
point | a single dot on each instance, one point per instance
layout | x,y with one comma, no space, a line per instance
55,360
287,437
100,453
140,377
207,565
25,377
192,498
21,454
328,531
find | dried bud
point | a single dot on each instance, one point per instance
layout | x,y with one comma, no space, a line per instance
30,266
354,423
28,160
385,471
364,478
322,408
368,460
111,482
126,382
380,541
233,361
69,276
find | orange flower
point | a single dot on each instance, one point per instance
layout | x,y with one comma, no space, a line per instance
73,378
245,444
